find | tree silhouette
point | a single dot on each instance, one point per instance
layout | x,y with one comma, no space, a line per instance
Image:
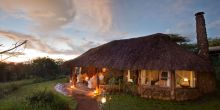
13,51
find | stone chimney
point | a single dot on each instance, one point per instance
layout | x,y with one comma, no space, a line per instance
202,40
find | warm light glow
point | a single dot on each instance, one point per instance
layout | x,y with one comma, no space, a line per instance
185,79
104,69
86,78
71,81
72,86
103,100
96,91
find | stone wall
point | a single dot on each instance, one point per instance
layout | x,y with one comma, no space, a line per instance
182,94
110,88
162,93
155,92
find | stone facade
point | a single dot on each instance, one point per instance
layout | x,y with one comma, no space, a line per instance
155,92
163,93
182,94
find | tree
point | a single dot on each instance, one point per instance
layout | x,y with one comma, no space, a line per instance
3,72
45,68
214,42
178,38
184,42
11,52
64,70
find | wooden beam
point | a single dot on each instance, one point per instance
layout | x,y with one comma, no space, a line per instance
173,85
71,70
73,74
97,76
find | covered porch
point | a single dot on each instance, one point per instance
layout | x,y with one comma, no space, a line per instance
155,84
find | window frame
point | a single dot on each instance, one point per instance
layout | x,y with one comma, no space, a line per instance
168,78
195,78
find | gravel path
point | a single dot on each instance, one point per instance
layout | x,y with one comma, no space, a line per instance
85,102
83,97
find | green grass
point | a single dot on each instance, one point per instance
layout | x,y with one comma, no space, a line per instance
21,82
127,102
17,100
7,88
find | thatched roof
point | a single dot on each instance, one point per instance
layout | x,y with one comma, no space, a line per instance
153,52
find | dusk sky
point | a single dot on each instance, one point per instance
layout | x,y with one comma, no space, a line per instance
67,28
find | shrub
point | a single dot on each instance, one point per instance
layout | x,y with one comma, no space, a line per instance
4,90
47,99
130,88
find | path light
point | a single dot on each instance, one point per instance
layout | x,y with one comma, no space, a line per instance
103,100
72,86
96,91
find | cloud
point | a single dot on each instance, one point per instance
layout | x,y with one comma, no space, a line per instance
94,13
77,48
33,42
45,14
41,45
50,15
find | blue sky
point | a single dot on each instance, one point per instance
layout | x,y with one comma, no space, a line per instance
67,28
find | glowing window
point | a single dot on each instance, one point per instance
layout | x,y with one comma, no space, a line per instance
155,78
185,79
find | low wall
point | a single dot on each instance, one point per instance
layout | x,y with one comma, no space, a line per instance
182,94
155,92
164,93
110,88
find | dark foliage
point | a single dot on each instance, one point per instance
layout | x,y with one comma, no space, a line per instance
48,99
214,42
12,71
45,68
178,38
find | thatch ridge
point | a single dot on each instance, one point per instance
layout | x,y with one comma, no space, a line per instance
153,52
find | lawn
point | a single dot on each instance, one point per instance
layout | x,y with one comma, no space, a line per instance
17,99
127,102
7,88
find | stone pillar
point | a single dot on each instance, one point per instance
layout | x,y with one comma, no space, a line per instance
173,85
202,40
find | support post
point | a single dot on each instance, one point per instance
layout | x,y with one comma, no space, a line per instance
74,76
173,85
71,73
97,76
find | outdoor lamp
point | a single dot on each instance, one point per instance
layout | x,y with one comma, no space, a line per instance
72,86
103,100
